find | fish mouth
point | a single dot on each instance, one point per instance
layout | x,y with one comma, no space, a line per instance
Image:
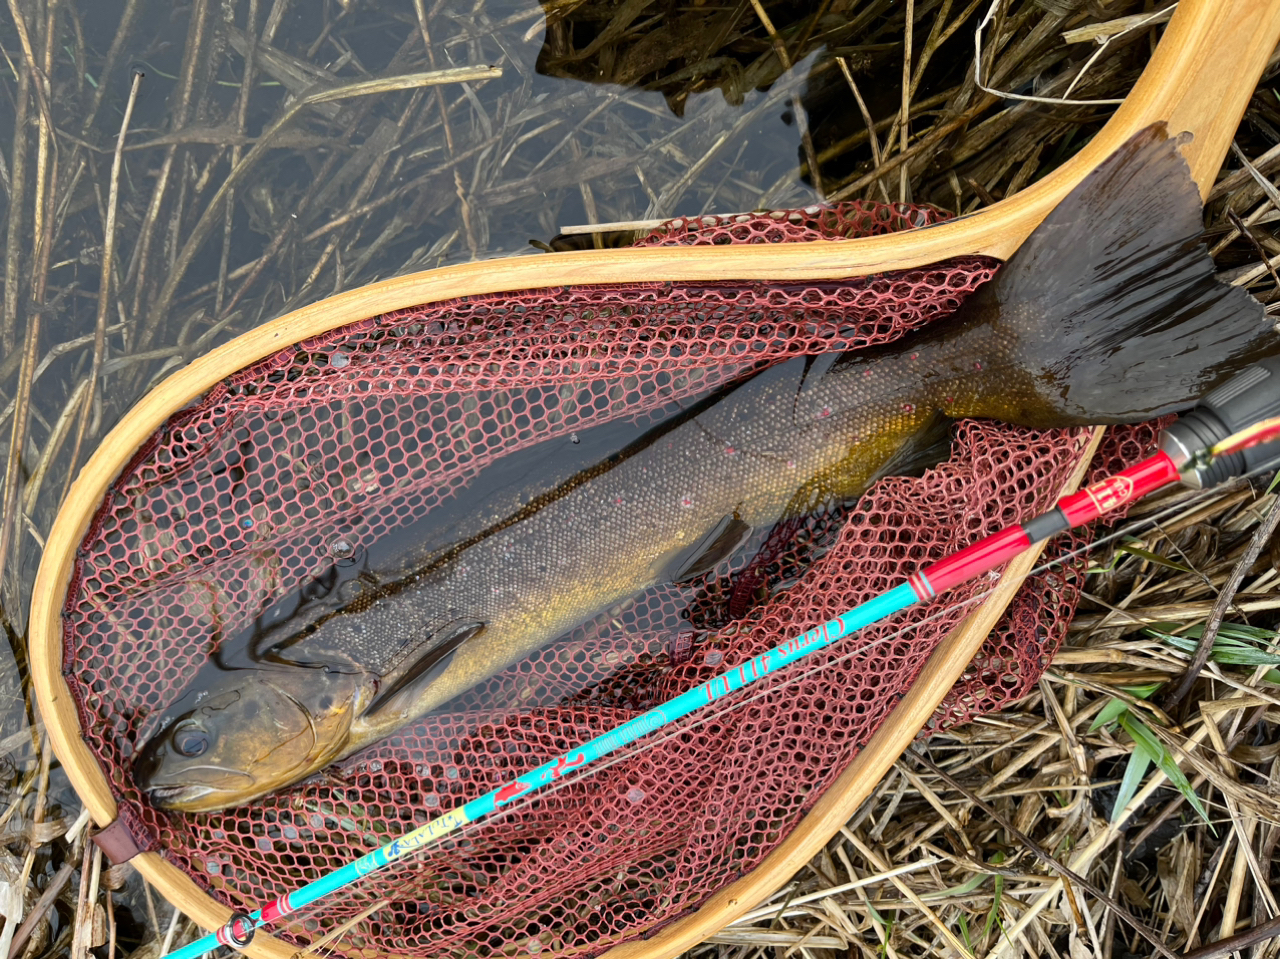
192,796
170,796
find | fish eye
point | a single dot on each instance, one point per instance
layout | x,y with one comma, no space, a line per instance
190,740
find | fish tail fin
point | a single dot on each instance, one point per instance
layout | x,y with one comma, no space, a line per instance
1113,302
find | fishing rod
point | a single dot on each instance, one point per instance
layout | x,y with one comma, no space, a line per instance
1232,431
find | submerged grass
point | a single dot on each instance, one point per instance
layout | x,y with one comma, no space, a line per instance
272,155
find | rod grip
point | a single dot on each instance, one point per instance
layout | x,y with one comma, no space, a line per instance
1252,395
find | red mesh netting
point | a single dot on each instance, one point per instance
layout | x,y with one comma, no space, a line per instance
845,220
342,439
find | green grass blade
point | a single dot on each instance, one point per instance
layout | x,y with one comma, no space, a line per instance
1144,739
966,887
993,916
1134,773
1252,634
1109,713
1112,710
1155,558
1227,650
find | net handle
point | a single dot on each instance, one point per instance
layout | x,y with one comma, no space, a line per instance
1199,79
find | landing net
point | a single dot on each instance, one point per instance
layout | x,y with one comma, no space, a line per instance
314,455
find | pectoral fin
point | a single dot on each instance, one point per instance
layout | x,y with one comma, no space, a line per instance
406,687
705,555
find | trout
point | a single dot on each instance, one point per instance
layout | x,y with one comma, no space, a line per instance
1109,313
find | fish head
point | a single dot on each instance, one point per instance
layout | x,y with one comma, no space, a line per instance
250,733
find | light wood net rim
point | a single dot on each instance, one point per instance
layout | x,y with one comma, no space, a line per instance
1199,79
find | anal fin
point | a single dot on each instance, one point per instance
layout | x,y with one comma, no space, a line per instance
720,542
928,447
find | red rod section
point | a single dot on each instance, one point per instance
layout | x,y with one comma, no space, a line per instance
1088,504
971,561
1114,491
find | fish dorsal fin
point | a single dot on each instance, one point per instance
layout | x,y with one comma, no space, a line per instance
720,542
424,670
